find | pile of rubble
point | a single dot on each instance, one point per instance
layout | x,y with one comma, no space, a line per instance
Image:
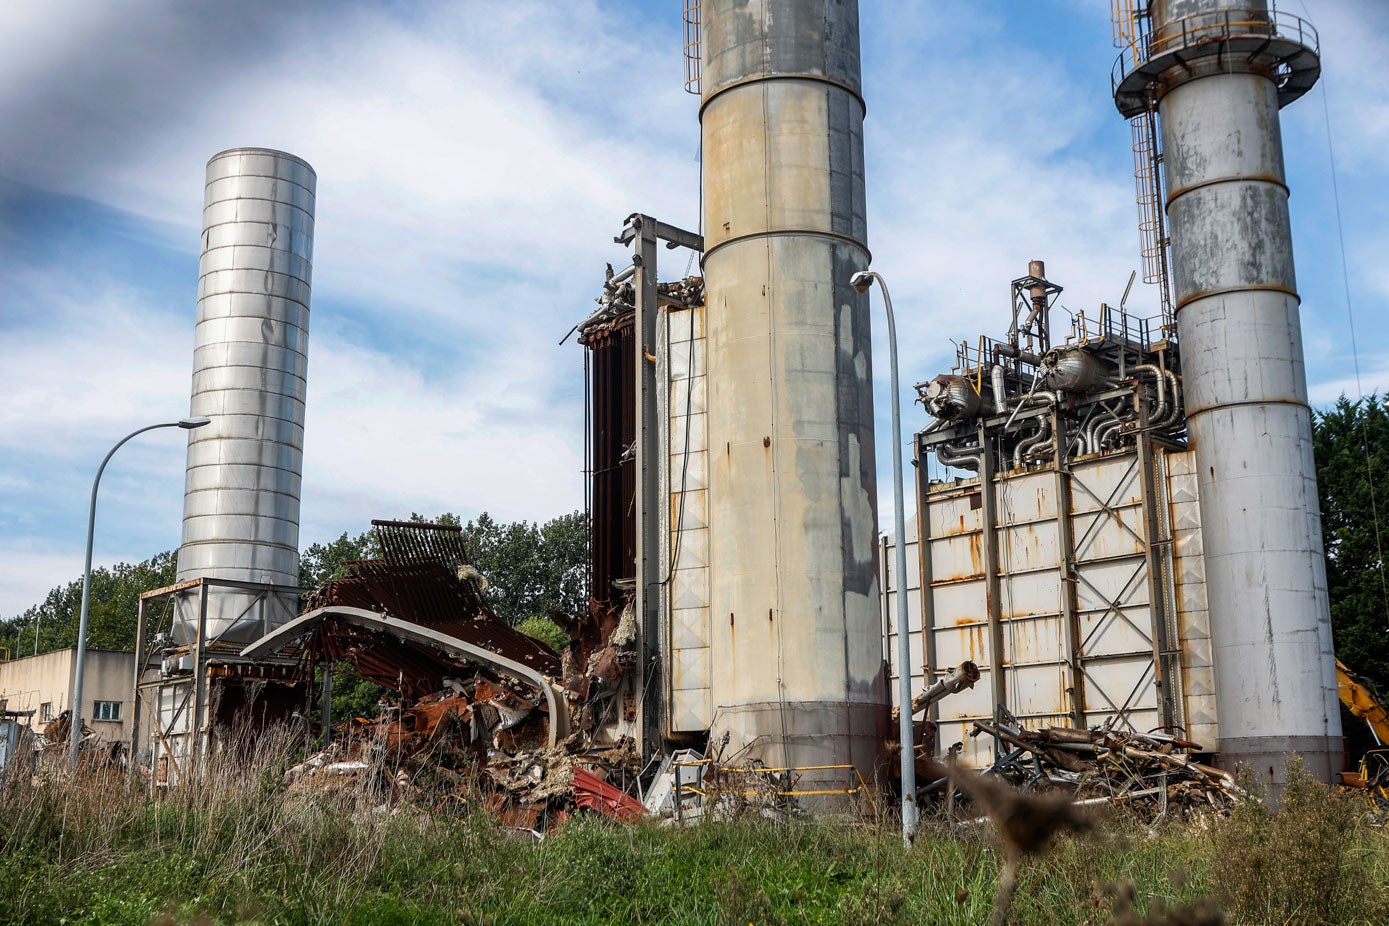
1154,775
482,715
479,743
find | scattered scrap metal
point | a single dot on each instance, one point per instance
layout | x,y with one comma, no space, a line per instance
486,716
1155,774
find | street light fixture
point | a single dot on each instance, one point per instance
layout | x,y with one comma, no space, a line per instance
862,282
75,730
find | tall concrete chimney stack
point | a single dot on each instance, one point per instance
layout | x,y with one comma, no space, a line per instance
797,638
1218,71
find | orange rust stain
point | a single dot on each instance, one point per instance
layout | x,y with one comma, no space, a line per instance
975,642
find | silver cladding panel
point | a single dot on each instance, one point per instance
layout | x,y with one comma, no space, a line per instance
1246,401
241,496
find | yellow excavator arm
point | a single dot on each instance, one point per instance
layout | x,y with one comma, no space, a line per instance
1360,700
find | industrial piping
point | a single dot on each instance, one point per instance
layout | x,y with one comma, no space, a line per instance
241,496
797,652
1219,70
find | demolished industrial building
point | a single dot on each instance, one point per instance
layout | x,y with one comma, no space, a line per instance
1084,560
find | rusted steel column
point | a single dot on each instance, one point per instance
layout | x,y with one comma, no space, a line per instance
797,648
1246,390
989,486
1065,540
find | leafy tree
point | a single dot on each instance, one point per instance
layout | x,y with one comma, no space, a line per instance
1351,442
114,609
546,631
322,562
532,570
354,696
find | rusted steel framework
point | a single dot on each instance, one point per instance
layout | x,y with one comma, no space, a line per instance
423,592
197,691
636,508
611,467
1059,569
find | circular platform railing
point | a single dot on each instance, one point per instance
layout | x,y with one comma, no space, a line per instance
1289,41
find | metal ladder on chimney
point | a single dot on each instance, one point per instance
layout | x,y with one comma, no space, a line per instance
1154,243
693,71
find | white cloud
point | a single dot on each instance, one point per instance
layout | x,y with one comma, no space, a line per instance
30,573
475,160
1373,379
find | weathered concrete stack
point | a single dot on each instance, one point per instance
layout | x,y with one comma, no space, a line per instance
797,639
1219,70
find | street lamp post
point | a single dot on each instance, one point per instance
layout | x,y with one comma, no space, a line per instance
862,282
75,730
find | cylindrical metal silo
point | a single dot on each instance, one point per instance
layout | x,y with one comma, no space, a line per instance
797,637
1219,69
241,499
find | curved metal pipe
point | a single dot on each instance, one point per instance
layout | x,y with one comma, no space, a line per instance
1099,418
1102,417
1106,431
1000,389
962,459
1175,412
1026,446
1160,414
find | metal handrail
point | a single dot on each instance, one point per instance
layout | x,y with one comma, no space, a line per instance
1124,14
1205,28
862,787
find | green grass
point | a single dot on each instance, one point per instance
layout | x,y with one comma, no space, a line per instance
240,849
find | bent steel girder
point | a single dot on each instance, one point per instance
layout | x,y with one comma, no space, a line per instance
406,630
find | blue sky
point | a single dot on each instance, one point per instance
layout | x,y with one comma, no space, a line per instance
474,162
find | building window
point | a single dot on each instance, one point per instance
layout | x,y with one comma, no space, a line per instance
107,710
46,712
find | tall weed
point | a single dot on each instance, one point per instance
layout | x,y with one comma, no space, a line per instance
1311,861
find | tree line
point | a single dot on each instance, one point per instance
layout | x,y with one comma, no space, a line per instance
535,569
532,569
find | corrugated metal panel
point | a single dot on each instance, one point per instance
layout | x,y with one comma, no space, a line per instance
688,479
1193,615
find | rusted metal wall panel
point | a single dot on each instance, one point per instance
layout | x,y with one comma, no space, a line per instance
1114,614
